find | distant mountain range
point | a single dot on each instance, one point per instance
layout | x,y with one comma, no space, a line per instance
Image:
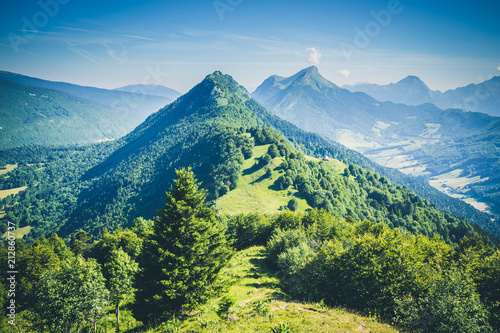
395,135
483,97
150,89
78,114
357,120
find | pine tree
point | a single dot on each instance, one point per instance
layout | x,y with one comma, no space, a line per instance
81,243
185,254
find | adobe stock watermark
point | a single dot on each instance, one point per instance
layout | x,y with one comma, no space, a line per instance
364,36
40,19
11,273
223,6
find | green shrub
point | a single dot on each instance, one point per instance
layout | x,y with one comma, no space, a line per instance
282,328
225,305
281,241
294,259
450,304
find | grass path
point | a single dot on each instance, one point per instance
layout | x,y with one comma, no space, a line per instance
261,305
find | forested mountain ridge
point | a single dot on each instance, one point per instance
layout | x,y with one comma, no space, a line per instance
38,116
212,128
131,107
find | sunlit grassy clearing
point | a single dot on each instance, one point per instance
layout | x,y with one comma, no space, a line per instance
260,193
19,233
8,168
14,191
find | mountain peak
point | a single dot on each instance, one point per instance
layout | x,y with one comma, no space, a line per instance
311,69
412,79
414,85
309,76
225,82
217,73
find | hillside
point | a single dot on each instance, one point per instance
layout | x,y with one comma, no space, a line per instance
261,305
37,116
133,107
213,129
259,190
394,135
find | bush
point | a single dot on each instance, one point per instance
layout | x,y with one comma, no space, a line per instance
225,305
287,220
282,328
293,205
450,304
281,241
265,159
269,173
249,230
294,259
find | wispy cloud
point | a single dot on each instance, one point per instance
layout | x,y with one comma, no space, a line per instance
314,56
78,29
21,50
87,55
120,55
139,37
345,73
39,32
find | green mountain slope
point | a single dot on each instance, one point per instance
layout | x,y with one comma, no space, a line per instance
259,190
261,305
132,107
37,116
213,129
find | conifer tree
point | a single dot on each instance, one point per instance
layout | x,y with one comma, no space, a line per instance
184,255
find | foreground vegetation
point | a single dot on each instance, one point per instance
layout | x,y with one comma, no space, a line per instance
174,274
260,305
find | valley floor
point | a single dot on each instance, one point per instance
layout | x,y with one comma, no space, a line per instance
450,183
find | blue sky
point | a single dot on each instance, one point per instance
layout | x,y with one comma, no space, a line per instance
177,43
